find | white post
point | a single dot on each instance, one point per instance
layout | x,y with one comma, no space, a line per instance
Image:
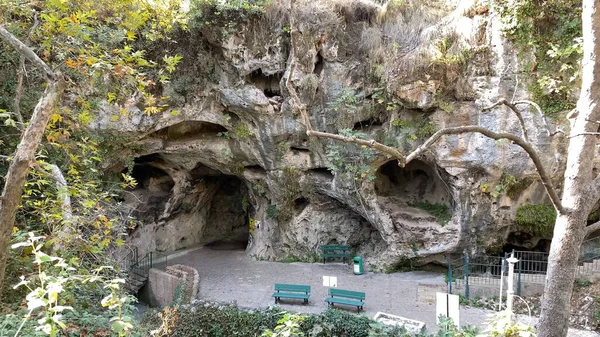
501,283
509,292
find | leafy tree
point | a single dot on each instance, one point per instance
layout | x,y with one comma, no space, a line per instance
81,56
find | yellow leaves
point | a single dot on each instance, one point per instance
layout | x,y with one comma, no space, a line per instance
149,99
114,118
150,110
111,97
55,118
15,229
130,35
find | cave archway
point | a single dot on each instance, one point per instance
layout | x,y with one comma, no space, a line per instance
227,221
188,208
417,181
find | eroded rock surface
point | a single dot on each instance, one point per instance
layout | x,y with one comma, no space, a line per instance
236,151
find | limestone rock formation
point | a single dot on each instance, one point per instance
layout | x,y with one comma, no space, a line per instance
236,151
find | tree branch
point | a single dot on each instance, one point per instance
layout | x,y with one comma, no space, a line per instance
368,143
539,110
497,136
27,52
20,75
30,141
61,186
592,228
515,110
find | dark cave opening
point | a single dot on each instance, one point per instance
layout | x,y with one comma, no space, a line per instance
360,125
322,172
269,84
319,65
211,207
227,219
417,181
189,130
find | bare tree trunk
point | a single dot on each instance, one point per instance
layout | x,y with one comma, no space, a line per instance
578,199
25,154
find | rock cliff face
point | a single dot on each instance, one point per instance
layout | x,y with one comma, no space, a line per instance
230,149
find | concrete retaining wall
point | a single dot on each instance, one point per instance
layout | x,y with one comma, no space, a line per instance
159,291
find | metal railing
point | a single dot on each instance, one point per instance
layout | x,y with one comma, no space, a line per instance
531,268
142,266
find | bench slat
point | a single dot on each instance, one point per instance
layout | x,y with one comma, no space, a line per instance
335,255
292,287
344,301
334,292
288,295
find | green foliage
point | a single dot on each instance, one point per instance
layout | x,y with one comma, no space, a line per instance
290,181
582,283
287,326
226,15
347,159
417,129
514,187
552,30
59,293
242,131
440,211
272,211
346,101
220,321
536,219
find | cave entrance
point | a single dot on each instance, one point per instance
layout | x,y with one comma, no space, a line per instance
227,220
188,208
417,181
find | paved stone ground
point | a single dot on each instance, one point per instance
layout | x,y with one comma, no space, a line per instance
230,275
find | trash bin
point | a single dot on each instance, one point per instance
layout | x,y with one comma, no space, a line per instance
358,265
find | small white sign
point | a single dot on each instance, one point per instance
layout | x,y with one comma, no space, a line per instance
447,305
330,281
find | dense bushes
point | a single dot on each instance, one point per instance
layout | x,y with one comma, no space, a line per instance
215,321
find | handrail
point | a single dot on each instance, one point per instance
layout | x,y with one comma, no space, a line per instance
142,266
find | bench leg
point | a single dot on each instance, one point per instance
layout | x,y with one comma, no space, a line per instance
306,300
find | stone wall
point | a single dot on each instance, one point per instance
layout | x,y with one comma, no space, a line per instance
159,291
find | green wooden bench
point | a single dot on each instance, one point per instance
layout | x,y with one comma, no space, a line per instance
346,297
295,291
334,251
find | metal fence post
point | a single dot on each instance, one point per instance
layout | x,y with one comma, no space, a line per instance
449,275
519,279
466,276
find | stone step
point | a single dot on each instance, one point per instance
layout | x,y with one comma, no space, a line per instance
135,283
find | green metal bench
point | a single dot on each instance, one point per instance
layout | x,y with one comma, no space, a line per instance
294,291
346,297
334,251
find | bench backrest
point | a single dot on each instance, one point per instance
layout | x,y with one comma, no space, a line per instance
292,288
334,247
335,292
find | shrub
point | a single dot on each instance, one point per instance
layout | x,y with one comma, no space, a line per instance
536,219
